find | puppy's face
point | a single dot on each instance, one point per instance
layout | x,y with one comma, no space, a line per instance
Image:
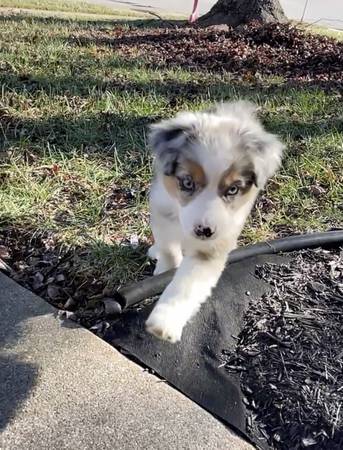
214,164
210,200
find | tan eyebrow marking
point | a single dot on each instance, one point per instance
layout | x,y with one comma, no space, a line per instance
196,171
186,167
241,175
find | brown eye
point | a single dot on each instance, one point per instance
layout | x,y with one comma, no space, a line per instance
187,184
231,191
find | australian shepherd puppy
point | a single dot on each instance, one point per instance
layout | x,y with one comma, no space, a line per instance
209,168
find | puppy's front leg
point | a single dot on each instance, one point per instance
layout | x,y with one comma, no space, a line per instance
190,287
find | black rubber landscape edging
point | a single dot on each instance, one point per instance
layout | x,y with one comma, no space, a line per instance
151,286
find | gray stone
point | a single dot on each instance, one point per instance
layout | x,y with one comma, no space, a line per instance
61,387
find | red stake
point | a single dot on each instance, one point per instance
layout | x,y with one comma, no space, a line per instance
194,14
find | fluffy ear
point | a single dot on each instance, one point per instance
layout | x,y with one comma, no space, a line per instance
241,109
265,150
170,139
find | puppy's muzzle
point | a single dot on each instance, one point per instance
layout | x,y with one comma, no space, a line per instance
202,232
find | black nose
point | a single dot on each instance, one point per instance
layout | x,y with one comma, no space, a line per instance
204,232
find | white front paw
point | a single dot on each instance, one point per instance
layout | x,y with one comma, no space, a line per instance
165,323
153,252
162,266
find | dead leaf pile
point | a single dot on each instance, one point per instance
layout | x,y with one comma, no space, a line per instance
251,51
41,264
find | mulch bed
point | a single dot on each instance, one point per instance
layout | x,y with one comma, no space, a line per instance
252,51
290,353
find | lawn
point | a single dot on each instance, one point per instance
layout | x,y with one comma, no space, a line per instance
75,168
73,6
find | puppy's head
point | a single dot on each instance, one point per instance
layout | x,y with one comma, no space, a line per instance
214,163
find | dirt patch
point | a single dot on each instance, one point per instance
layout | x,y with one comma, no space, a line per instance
289,354
68,278
251,51
120,197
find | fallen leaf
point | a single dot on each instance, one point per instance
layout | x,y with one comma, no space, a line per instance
4,252
53,292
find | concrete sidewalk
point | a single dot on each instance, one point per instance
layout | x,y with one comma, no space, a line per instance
61,387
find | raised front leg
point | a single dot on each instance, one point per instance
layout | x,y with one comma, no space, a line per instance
167,247
191,286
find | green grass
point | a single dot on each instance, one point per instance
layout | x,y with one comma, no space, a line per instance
73,128
71,6
324,31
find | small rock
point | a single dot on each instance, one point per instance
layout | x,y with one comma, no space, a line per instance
134,241
38,279
222,27
307,442
261,324
317,190
53,292
60,277
316,287
277,437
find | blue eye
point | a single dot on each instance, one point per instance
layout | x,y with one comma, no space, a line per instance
187,184
232,190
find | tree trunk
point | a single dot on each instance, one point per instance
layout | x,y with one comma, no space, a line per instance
238,12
